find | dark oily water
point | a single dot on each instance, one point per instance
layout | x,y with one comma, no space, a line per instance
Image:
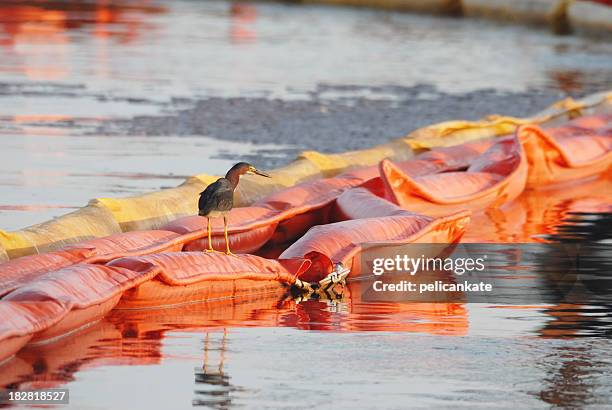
596,263
584,226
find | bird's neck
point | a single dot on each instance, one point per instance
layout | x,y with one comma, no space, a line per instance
233,178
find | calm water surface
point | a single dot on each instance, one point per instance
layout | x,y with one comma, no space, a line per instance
42,176
71,64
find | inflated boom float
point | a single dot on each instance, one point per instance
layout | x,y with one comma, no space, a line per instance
184,277
107,216
87,292
578,149
495,177
21,320
286,215
342,242
25,269
312,227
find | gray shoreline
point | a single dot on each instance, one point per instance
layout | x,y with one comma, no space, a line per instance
327,125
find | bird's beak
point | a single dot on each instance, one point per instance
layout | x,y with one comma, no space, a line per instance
263,174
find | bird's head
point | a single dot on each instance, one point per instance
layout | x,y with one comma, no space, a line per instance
242,168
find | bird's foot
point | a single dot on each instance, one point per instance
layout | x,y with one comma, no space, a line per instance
229,253
210,250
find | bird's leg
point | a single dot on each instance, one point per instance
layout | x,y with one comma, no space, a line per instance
227,248
210,247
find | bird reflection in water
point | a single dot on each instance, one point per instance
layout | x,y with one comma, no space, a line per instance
213,386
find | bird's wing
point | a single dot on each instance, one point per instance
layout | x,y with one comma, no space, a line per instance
225,202
217,196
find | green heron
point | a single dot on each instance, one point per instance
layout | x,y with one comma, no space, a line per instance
218,198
